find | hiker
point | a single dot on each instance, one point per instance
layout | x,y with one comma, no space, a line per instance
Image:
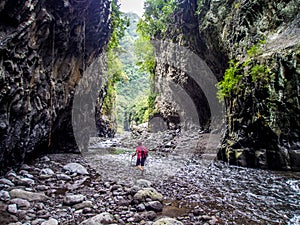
141,152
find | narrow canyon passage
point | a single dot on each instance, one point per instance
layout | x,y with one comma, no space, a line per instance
210,87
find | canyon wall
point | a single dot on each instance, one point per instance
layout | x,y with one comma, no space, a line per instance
262,110
45,50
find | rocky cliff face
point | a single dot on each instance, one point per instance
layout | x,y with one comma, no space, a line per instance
262,109
45,49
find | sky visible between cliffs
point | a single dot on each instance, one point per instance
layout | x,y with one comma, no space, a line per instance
135,6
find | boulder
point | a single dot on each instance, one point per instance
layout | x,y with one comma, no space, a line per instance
12,208
4,195
156,206
50,222
103,218
30,196
145,193
21,203
167,221
76,168
73,199
84,204
6,182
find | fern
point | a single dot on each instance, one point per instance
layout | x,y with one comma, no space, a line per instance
230,81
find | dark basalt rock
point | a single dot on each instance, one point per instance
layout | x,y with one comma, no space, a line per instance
45,48
262,115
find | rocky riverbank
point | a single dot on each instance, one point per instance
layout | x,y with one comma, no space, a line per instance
180,186
64,189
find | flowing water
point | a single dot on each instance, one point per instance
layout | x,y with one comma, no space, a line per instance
234,195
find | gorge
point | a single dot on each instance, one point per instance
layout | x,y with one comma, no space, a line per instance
46,47
223,113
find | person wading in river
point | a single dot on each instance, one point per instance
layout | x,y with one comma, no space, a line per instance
141,152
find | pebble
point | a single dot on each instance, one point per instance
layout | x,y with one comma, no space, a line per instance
63,177
66,192
142,183
45,159
141,207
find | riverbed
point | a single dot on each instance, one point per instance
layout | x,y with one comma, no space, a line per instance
230,194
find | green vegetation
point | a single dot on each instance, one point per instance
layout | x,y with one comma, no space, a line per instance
139,111
231,79
119,151
237,5
136,87
237,70
119,23
156,17
256,49
131,61
154,24
115,67
144,53
259,72
115,74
